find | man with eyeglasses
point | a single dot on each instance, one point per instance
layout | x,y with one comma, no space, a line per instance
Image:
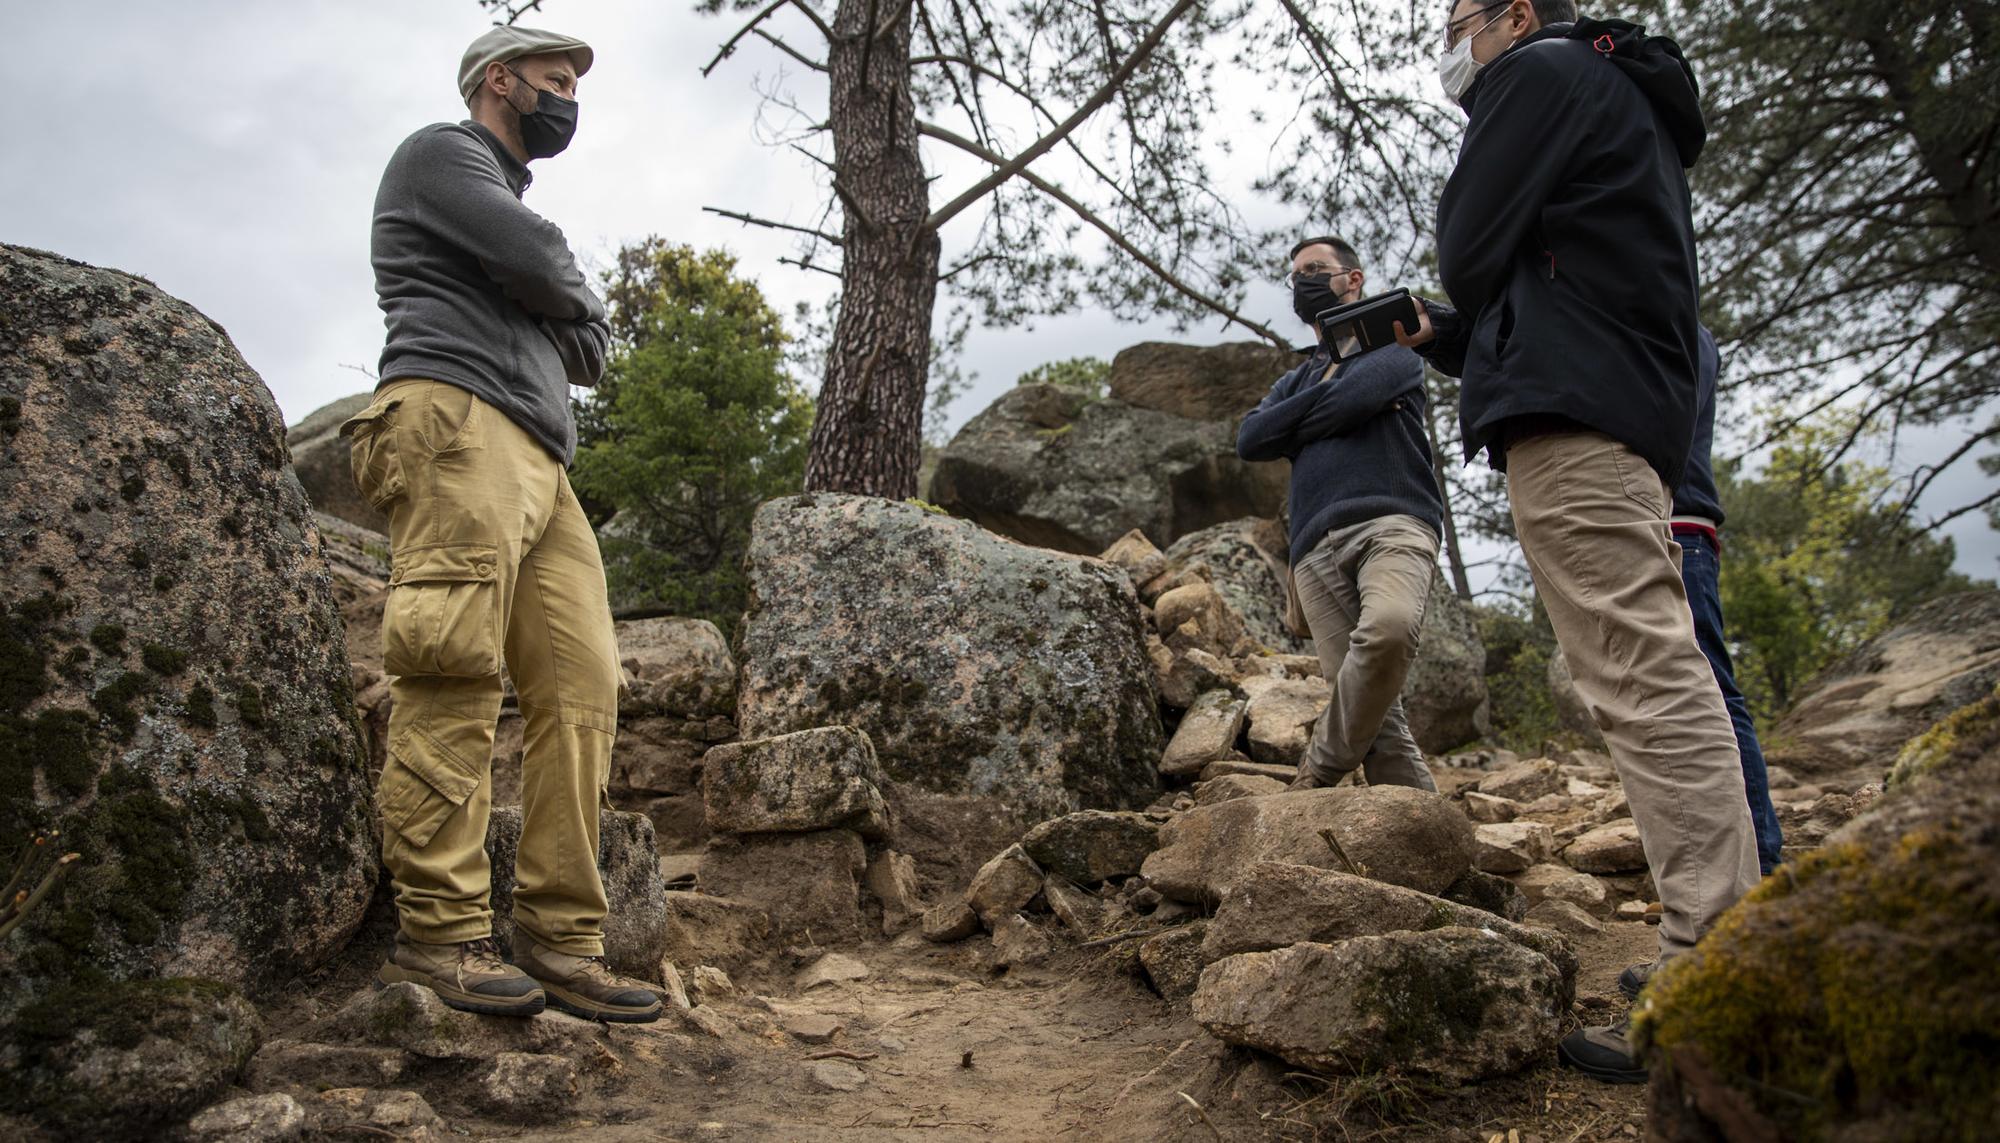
1366,516
493,560
1566,243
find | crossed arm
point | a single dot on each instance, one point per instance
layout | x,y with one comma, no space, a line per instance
1306,405
465,200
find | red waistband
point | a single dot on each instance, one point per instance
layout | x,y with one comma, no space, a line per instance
1682,528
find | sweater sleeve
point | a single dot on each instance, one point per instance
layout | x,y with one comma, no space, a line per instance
463,198
1360,392
1270,431
1450,338
1516,151
582,346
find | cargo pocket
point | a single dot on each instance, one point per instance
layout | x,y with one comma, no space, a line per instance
416,800
443,614
371,444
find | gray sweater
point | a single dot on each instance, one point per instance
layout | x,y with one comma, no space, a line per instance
476,289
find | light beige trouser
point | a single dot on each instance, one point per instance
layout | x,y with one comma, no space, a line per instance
1591,516
1363,589
491,554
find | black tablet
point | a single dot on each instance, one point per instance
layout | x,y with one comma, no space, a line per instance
1357,327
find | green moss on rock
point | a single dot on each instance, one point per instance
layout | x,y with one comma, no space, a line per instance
200,706
1856,984
162,659
116,701
1970,728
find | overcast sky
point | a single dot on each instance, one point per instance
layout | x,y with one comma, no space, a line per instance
229,150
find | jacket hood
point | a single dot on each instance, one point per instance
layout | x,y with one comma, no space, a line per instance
1655,63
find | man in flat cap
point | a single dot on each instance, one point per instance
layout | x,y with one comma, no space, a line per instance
466,448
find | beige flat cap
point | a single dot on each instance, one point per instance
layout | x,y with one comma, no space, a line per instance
501,44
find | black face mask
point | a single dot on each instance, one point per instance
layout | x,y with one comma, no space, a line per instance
547,129
1314,295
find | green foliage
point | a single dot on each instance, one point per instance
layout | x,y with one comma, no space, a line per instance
1089,375
1518,650
1844,206
1815,564
695,423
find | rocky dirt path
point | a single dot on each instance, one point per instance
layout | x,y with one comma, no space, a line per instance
933,1046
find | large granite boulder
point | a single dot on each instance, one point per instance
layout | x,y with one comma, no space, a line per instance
975,665
1850,996
1199,382
319,456
1859,711
1047,465
175,697
126,1060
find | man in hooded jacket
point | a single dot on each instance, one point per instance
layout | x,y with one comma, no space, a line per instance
1566,243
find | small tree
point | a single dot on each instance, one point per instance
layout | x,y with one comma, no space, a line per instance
1816,565
1091,375
695,424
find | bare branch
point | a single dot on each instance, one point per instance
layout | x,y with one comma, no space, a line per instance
1019,163
807,264
755,221
1940,521
789,50
1117,239
819,23
729,45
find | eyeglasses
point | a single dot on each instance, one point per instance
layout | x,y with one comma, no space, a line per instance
1451,27
1314,270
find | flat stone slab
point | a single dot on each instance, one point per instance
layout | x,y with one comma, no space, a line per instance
1403,836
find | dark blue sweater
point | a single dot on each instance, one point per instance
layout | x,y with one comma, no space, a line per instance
1356,442
1697,496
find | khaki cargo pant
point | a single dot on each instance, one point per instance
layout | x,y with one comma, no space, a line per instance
1363,589
1592,519
492,557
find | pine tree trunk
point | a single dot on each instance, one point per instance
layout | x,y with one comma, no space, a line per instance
1459,581
867,434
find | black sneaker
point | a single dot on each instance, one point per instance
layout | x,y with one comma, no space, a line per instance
1633,979
1603,1053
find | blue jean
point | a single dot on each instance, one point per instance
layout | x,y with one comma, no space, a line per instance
1701,571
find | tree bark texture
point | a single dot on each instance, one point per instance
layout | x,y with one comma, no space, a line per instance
866,435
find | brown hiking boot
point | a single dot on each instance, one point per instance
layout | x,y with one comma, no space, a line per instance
584,985
469,976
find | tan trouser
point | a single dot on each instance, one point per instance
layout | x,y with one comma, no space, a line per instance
491,554
1363,589
1591,516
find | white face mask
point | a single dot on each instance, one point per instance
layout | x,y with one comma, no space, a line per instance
1457,68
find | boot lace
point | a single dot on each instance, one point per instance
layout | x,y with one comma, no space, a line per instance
481,956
